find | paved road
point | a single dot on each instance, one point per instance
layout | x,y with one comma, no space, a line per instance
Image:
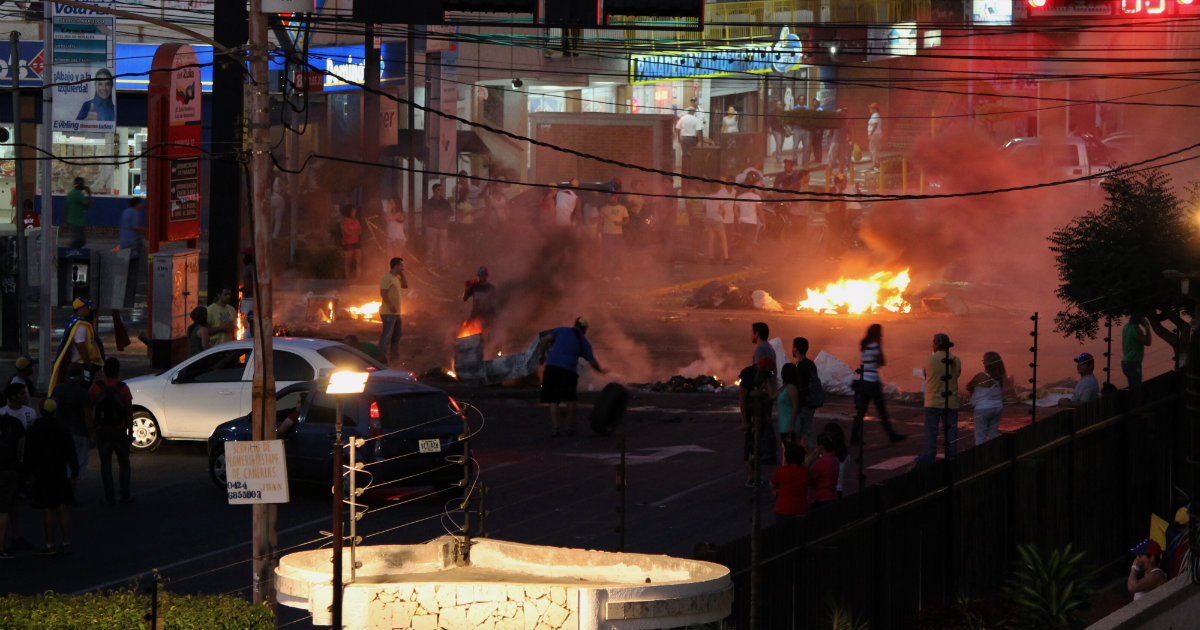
685,485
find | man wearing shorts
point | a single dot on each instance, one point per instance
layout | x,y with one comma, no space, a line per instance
389,311
562,348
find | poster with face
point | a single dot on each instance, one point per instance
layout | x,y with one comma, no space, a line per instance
84,98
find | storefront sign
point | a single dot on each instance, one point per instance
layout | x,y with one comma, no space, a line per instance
895,40
389,122
174,116
132,65
256,472
345,67
785,55
84,92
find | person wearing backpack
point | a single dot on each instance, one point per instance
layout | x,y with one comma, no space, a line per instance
870,388
810,392
112,414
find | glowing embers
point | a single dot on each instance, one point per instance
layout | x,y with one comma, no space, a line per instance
366,312
882,292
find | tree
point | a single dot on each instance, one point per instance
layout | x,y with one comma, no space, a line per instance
1111,261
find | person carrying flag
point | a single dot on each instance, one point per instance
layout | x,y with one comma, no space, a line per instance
80,344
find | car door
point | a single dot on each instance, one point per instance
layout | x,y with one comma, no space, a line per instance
206,392
311,453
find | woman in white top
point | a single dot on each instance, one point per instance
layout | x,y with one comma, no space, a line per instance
870,387
987,394
729,124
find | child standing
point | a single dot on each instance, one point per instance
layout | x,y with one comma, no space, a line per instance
789,484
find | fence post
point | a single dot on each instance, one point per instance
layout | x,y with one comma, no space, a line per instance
1033,364
621,498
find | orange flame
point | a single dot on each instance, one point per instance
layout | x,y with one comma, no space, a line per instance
368,311
881,292
470,327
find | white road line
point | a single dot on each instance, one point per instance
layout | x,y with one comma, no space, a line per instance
666,500
129,578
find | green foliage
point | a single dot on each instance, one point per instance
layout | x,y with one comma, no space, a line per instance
127,609
1110,261
1049,592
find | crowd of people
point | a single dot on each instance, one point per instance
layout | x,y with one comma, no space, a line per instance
45,447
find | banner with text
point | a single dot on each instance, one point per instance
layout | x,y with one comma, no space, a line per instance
82,45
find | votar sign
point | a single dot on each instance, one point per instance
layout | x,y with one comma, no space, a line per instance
61,10
784,55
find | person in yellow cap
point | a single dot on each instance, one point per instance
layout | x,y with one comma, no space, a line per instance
562,348
80,344
24,375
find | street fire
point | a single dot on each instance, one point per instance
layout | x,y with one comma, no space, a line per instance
368,311
470,327
881,292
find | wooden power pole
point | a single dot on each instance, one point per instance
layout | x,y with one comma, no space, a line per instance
263,393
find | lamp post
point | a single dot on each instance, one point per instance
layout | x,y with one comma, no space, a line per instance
340,384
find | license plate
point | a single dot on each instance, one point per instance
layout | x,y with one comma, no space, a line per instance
430,446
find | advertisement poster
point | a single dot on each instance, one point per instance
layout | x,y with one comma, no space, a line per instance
84,99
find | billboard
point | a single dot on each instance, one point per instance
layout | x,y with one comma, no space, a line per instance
82,45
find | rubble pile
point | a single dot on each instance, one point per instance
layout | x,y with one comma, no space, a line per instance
682,384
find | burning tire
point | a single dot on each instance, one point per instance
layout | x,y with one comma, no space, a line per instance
609,408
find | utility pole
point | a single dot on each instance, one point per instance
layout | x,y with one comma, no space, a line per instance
371,202
14,68
49,238
263,386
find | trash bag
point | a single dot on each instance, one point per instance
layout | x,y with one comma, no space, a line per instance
609,409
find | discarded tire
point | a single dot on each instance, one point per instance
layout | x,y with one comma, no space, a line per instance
609,408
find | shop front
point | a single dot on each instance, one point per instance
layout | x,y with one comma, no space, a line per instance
111,163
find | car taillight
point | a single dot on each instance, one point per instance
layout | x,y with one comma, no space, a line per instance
375,426
454,403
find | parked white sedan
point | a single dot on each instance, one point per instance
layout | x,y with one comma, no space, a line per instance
189,400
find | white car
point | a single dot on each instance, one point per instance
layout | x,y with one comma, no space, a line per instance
189,400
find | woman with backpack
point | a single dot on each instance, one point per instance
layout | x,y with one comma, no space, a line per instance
869,388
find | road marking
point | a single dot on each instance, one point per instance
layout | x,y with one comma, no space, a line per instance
662,502
657,455
130,578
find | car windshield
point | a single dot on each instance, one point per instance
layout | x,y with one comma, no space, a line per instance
347,358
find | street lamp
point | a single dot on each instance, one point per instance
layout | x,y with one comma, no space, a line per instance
340,384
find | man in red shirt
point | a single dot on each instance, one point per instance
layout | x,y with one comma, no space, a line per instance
112,414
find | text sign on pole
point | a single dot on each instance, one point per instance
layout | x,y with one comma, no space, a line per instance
83,44
256,472
175,116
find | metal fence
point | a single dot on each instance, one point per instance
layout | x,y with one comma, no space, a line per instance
1090,477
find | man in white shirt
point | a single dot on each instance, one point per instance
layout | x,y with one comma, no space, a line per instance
688,130
565,202
749,213
875,135
718,205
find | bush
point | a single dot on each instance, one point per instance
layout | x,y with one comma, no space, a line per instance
1049,591
127,610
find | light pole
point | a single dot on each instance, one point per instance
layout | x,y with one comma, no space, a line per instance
340,384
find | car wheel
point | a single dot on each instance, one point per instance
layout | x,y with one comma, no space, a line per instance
146,436
216,469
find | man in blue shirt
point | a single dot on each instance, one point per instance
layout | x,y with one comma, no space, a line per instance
133,228
562,348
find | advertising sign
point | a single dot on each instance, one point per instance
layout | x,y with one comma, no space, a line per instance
256,472
82,42
784,55
174,116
